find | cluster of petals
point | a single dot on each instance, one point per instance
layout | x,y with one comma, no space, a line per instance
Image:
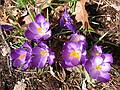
66,21
21,57
99,64
36,57
42,56
74,51
39,29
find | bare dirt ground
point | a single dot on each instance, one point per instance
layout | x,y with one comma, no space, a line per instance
104,16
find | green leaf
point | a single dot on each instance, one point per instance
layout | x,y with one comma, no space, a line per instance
22,3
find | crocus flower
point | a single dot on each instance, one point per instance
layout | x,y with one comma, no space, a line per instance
96,50
78,39
39,29
66,21
21,56
42,56
99,66
73,54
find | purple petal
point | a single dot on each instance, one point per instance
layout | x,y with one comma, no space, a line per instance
42,45
35,61
75,61
71,45
83,50
14,54
51,58
62,21
65,20
42,62
50,61
30,35
17,52
71,27
94,73
67,64
38,37
25,66
28,57
7,27
98,60
88,65
36,50
40,19
104,77
65,55
80,47
33,27
18,63
76,37
97,49
47,35
46,25
106,67
108,58
39,61
27,47
83,60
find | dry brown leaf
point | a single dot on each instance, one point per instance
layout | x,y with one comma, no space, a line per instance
56,13
43,2
27,19
81,14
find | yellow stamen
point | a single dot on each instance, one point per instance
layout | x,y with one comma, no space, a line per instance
39,30
22,56
75,54
98,67
97,54
44,53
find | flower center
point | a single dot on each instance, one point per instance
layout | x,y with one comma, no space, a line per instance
44,53
40,30
22,56
98,67
97,53
75,54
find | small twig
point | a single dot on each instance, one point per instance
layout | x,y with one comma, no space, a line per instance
102,37
26,72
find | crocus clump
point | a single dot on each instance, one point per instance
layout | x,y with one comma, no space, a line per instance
73,54
99,65
66,21
21,56
39,29
42,56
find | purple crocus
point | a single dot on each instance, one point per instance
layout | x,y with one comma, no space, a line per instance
66,21
42,56
96,50
78,39
39,29
73,54
21,56
99,66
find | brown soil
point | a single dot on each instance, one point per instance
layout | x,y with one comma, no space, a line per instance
106,15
